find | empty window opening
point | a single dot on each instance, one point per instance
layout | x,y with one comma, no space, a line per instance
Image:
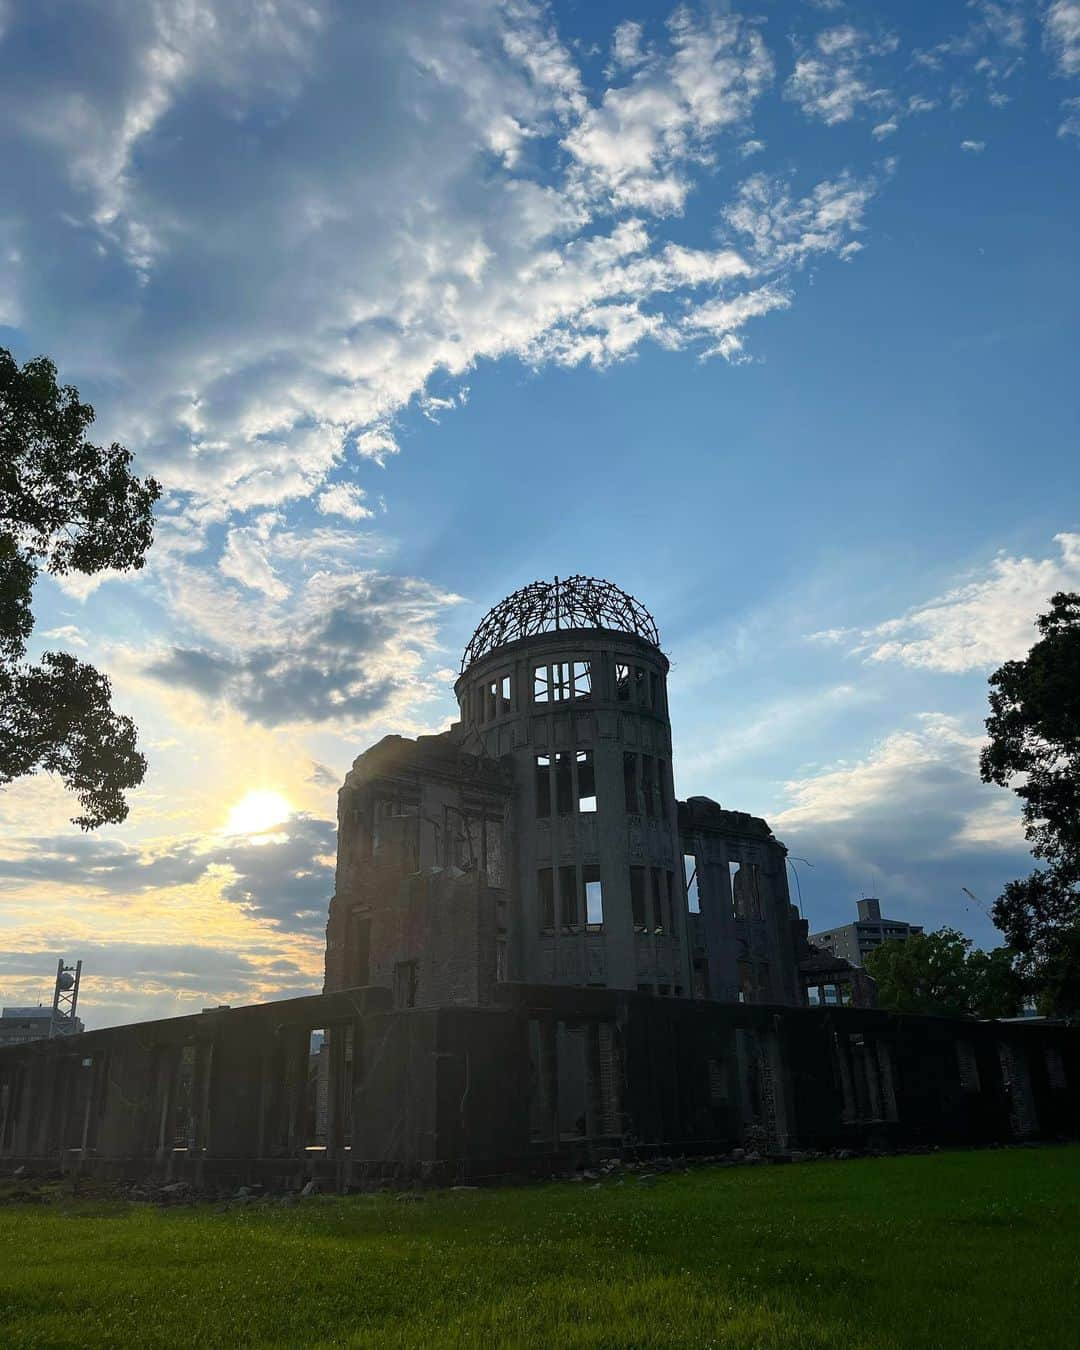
561,681
581,676
718,1082
745,890
586,781
622,682
568,898
693,898
545,886
737,897
318,1090
967,1067
358,955
648,784
406,984
594,898
641,685
184,1100
572,1069
630,791
658,901
637,899
564,792
543,786
1055,1070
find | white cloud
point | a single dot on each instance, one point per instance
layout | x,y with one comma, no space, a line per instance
1070,123
626,51
270,291
751,147
783,232
345,500
633,149
831,79
345,649
987,620
917,792
973,147
66,633
884,129
245,560
1061,34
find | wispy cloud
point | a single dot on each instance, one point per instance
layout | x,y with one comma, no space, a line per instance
506,209
832,78
978,624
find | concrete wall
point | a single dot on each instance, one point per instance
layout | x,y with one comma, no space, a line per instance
544,1077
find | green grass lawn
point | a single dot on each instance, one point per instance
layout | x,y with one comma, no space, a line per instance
953,1249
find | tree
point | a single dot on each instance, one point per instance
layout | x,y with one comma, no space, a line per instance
926,973
66,505
939,975
1034,747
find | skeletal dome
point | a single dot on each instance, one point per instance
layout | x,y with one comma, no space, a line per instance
550,606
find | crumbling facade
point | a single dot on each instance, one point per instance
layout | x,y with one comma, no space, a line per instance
551,805
537,956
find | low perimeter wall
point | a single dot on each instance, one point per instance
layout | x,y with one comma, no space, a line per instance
343,1088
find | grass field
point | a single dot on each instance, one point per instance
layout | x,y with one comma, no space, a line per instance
951,1249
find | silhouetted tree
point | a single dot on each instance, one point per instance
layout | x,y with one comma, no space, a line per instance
1034,730
65,506
926,973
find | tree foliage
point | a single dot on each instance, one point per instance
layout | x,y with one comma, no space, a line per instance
938,974
66,505
1034,747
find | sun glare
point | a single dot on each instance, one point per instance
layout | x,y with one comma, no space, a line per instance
259,810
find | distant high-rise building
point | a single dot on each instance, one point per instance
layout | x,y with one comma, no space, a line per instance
854,941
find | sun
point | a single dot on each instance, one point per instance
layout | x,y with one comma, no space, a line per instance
259,810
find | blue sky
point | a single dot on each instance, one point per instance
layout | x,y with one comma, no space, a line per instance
765,312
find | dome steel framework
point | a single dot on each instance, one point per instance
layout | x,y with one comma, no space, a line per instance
546,607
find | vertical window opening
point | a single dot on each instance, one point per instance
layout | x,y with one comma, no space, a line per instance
637,899
541,684
582,676
594,898
648,784
693,898
629,766
564,794
406,984
669,902
658,901
640,685
545,886
586,781
568,897
504,694
543,786
738,897
622,682
662,771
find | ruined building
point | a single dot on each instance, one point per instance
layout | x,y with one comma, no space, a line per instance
539,840
536,957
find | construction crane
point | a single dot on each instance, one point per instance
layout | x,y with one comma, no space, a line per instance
972,896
